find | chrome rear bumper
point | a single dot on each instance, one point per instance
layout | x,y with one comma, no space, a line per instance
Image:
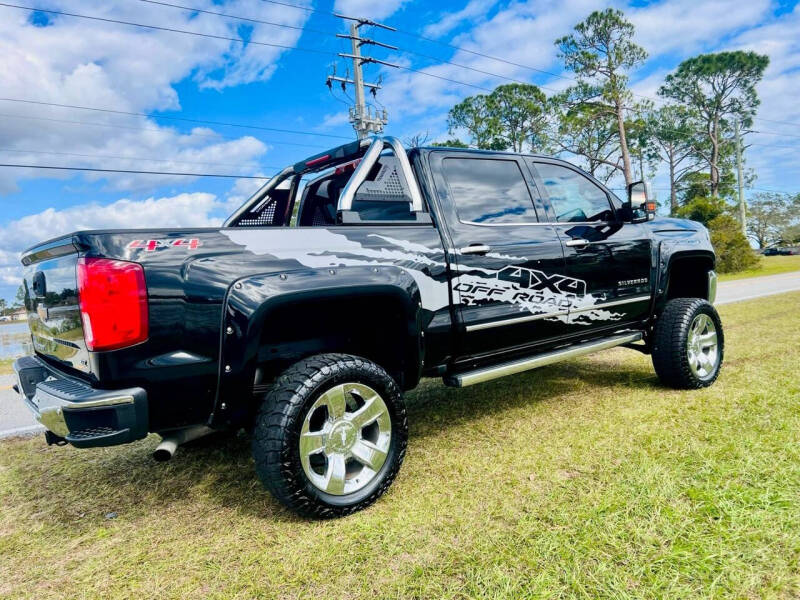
71,409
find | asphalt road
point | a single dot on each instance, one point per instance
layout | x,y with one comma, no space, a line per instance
16,420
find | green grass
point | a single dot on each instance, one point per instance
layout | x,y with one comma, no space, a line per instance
586,479
5,366
770,265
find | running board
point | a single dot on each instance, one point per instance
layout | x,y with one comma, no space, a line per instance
525,364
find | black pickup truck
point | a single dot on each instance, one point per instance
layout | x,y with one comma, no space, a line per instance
337,286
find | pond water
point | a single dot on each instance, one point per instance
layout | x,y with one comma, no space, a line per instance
15,340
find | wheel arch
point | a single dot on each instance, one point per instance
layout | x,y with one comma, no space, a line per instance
274,320
686,274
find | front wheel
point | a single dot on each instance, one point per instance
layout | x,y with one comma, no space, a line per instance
688,344
331,435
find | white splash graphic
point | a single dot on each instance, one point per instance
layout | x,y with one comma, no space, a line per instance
322,248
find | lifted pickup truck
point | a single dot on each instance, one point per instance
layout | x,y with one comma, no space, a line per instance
339,284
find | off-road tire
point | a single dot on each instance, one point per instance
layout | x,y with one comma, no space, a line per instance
280,418
670,338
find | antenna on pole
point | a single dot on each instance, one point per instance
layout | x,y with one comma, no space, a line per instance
365,120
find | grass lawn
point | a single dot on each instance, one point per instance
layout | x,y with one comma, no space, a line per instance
585,479
5,366
770,265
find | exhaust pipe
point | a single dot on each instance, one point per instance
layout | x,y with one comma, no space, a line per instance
170,442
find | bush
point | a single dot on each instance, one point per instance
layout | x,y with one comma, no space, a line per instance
702,209
733,250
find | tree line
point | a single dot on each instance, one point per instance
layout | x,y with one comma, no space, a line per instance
615,134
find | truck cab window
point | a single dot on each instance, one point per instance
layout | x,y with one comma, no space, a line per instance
488,191
574,198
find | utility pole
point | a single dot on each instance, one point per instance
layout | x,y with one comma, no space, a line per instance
365,120
740,178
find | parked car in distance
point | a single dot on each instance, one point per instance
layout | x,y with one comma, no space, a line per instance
336,287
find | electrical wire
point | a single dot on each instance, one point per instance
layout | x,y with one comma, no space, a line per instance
238,40
131,171
319,51
174,118
237,17
130,127
135,158
168,29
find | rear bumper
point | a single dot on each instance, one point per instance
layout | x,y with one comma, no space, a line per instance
84,416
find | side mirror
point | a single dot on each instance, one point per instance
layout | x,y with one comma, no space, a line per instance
641,206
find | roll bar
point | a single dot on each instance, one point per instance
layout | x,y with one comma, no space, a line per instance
260,194
344,153
371,156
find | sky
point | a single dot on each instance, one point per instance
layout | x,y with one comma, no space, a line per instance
158,91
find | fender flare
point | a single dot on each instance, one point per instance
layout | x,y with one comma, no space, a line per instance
667,257
251,300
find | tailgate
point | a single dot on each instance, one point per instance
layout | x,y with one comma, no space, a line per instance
51,300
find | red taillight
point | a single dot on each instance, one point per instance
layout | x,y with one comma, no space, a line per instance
113,301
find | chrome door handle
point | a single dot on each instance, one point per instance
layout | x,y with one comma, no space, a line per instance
475,249
578,243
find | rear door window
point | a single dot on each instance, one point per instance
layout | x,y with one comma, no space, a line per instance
489,191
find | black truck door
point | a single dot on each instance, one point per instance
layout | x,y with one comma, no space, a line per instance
508,280
611,257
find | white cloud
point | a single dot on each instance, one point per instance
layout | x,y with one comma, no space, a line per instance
80,62
523,34
472,11
183,210
689,26
241,191
775,158
335,120
368,8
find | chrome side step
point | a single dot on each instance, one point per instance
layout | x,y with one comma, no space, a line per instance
525,364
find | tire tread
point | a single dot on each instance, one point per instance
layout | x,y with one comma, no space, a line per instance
669,343
273,437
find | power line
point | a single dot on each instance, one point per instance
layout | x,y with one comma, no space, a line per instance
118,126
238,17
330,33
137,158
231,39
792,135
169,29
183,119
775,121
238,40
300,7
130,171
318,51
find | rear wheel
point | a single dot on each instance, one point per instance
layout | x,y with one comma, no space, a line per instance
331,435
688,344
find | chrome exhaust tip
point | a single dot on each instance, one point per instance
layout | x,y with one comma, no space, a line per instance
170,441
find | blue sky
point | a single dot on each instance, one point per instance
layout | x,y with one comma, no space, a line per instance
67,60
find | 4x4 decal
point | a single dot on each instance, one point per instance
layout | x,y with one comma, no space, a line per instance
153,245
538,291
538,280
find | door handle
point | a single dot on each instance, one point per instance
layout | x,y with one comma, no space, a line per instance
577,243
475,249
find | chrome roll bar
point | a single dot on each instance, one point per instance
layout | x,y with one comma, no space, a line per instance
377,146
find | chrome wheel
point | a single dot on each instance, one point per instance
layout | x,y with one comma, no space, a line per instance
702,347
345,438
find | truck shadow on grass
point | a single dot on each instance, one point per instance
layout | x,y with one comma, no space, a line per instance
126,480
